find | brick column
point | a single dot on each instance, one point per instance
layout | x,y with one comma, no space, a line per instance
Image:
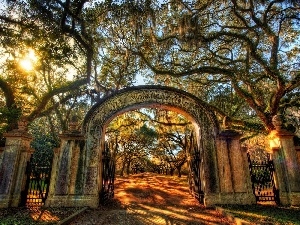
16,153
287,168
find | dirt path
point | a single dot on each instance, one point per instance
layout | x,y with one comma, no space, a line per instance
152,199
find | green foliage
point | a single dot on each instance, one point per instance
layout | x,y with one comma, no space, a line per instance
10,113
149,138
8,118
242,58
147,132
43,143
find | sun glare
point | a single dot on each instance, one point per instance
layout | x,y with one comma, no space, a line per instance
28,61
26,64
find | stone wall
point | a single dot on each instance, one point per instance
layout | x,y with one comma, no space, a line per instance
16,153
1,155
286,163
70,184
233,171
297,148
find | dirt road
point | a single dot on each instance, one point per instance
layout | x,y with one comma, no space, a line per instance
152,199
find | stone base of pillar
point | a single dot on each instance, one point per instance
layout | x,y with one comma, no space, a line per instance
295,198
73,201
15,201
4,201
289,198
242,198
284,198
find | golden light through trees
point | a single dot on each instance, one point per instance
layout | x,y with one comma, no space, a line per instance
28,61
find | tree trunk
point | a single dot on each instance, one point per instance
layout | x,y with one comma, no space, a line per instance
179,170
128,167
172,171
123,168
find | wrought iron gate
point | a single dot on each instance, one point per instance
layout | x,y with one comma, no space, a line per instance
108,175
37,184
194,174
262,179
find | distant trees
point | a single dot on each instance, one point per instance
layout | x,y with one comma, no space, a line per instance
150,140
132,138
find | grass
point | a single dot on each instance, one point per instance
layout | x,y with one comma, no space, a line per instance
34,215
265,214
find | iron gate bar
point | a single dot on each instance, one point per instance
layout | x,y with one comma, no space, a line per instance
108,176
37,184
194,177
262,178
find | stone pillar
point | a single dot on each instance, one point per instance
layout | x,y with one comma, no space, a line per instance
12,170
1,155
298,153
233,170
68,173
287,168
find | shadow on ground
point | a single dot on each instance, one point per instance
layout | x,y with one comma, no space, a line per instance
152,199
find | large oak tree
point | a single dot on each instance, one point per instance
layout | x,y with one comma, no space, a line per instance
248,47
251,46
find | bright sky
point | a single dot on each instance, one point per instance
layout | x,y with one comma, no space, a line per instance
28,61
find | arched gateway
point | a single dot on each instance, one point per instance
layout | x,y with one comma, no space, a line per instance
76,179
220,170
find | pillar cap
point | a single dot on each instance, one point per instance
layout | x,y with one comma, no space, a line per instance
71,135
228,133
21,131
282,133
18,134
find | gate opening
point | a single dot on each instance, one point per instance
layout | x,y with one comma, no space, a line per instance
156,141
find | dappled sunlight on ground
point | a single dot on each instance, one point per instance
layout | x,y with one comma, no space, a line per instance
153,199
154,189
162,199
43,215
34,215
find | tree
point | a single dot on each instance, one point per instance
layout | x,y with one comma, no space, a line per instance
43,143
150,138
251,46
134,140
61,48
173,141
256,52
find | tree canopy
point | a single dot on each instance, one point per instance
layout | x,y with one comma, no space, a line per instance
242,57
